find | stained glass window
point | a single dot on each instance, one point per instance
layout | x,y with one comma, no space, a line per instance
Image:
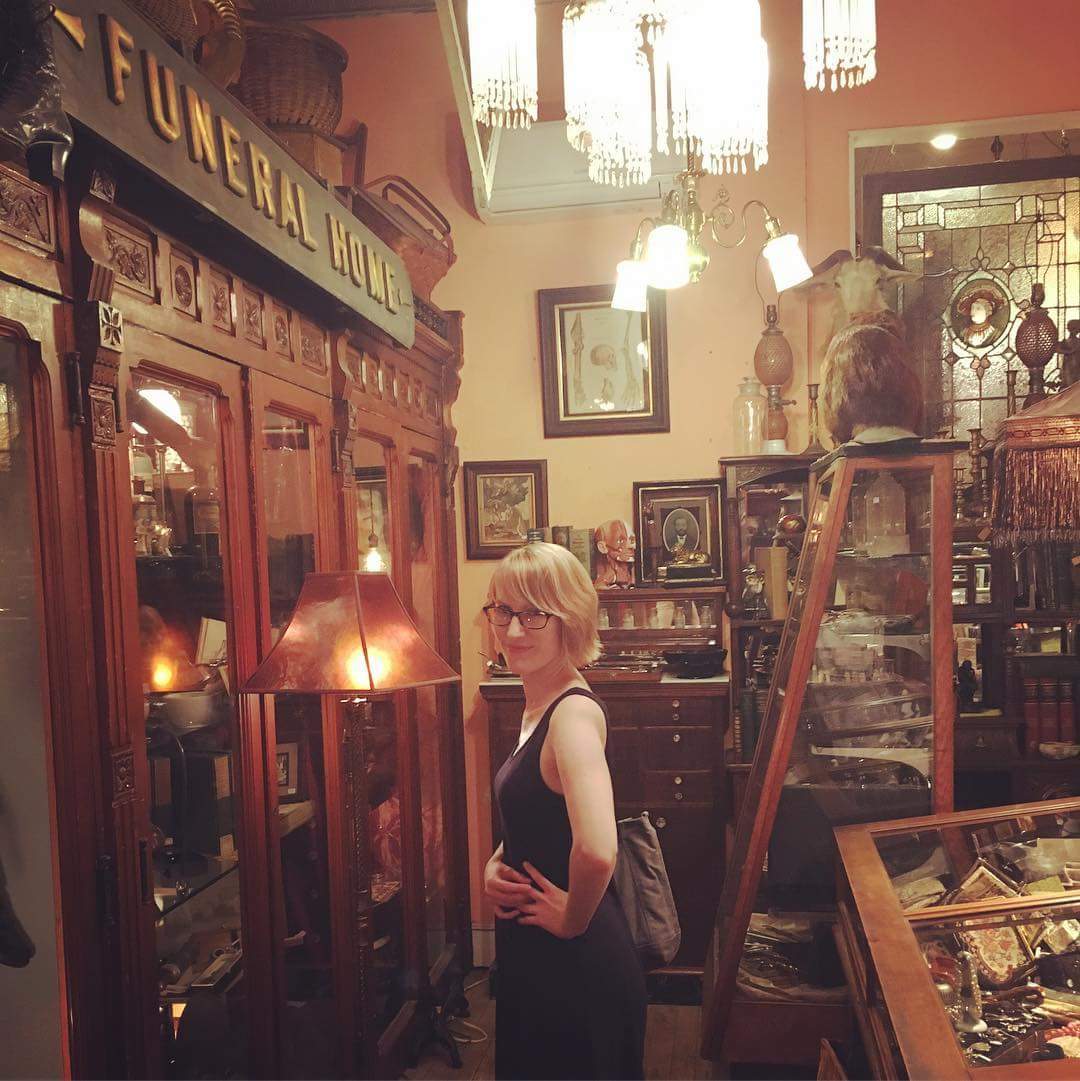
977,251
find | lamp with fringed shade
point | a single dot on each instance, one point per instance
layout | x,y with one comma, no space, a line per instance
349,634
1037,473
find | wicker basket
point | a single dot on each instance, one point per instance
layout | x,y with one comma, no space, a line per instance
291,75
312,9
175,19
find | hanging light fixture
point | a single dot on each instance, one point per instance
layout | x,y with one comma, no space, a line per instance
839,40
675,252
502,59
715,108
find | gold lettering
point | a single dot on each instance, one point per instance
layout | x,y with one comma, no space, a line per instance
230,153
339,245
167,126
287,218
393,293
376,287
200,129
306,238
262,181
118,42
356,260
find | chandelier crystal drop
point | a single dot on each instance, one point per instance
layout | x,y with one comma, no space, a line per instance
502,58
839,40
644,73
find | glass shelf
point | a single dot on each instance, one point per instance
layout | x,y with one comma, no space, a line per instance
192,884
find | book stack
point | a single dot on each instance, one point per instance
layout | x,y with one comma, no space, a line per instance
1049,710
578,541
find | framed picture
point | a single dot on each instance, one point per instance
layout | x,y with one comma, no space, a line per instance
604,371
678,530
503,500
287,757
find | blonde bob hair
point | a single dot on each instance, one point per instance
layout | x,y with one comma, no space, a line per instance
548,577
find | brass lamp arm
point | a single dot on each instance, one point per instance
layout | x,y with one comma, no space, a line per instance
723,216
637,245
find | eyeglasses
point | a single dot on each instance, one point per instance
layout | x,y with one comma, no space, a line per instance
499,615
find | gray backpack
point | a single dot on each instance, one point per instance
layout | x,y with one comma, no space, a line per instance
641,885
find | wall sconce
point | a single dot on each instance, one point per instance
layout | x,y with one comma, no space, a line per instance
674,253
350,634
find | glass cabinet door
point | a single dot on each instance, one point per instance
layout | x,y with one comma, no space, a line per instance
309,1020
31,1024
423,488
185,630
378,791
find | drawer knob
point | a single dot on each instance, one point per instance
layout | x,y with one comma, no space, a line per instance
678,780
674,703
661,822
980,742
679,795
676,738
674,716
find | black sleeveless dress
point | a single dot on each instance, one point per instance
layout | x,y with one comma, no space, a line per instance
565,1008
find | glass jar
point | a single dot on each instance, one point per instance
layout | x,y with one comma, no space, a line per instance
749,417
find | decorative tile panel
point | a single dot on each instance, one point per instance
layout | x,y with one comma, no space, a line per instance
280,331
26,211
182,283
313,346
221,302
132,258
251,311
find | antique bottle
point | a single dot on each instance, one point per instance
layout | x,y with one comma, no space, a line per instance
202,514
749,417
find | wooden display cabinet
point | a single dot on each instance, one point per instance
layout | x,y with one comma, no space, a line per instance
277,884
953,929
858,727
645,622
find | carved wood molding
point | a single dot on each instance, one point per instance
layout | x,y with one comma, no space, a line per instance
123,775
26,211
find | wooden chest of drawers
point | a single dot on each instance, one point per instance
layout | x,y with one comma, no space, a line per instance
665,747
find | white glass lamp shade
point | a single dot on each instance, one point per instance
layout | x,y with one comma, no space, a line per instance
786,261
667,257
631,286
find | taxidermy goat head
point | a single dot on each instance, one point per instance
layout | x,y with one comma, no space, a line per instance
857,283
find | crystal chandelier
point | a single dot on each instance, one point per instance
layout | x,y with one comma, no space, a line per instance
714,108
502,55
839,36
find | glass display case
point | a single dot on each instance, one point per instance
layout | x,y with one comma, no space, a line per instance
858,724
766,501
960,936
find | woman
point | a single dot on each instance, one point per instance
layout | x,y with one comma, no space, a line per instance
571,992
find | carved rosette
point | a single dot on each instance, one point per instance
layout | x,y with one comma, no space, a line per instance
131,259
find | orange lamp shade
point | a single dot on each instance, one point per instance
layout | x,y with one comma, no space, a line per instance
350,634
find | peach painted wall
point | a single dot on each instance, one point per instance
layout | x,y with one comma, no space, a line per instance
932,67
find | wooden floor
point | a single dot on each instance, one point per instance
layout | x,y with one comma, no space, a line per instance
671,1038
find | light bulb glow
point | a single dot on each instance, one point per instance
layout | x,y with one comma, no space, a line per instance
786,261
162,673
374,562
667,257
631,286
356,668
946,140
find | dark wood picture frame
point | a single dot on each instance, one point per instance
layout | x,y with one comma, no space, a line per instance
472,474
657,501
555,363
